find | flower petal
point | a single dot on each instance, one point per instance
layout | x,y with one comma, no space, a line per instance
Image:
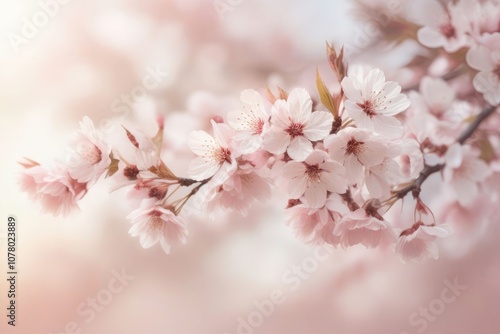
293,169
318,126
315,194
300,147
201,169
300,105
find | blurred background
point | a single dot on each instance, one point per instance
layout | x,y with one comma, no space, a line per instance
84,274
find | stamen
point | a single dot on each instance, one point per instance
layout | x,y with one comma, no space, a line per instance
295,130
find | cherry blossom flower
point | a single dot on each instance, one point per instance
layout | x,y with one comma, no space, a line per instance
436,97
463,171
359,227
153,223
213,152
314,177
250,122
294,126
308,223
355,148
236,191
411,159
435,113
372,102
487,62
316,225
418,241
484,17
446,27
89,153
53,188
381,177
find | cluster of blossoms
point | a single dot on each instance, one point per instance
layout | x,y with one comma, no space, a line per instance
342,160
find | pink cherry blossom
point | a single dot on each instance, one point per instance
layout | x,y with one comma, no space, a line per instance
309,224
314,177
355,148
294,126
464,170
153,223
237,190
418,241
381,177
484,17
411,159
435,114
53,188
372,102
316,225
487,62
359,227
436,96
250,122
445,26
89,153
213,152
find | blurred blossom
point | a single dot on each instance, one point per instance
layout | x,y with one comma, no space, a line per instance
267,208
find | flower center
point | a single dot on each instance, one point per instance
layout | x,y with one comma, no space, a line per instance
295,130
368,107
155,223
222,155
159,192
90,152
258,126
496,72
354,147
313,172
131,172
448,30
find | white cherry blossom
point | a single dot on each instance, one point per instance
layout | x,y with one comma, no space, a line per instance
419,241
294,126
487,62
89,153
464,170
354,149
314,177
250,122
155,223
213,152
372,102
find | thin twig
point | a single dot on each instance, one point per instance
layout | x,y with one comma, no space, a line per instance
416,186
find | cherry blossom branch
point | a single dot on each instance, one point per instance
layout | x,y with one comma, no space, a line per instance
475,124
416,186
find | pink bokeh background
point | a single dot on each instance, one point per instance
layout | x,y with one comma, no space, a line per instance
88,55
